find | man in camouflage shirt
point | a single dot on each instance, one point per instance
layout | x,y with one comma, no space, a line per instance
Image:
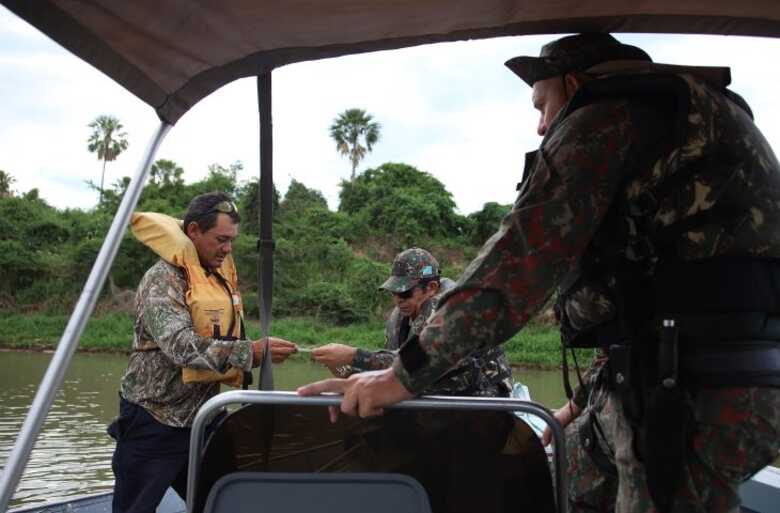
156,406
415,284
653,196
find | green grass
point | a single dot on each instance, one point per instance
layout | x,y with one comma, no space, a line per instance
536,345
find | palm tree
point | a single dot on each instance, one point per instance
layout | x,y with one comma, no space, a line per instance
107,140
347,130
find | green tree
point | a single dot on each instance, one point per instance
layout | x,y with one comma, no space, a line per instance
485,222
401,202
108,141
166,174
300,198
220,178
249,206
6,181
348,129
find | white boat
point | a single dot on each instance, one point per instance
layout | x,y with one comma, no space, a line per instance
171,54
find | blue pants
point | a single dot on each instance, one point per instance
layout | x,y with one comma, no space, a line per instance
149,457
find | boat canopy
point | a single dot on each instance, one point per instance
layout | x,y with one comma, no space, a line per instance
173,53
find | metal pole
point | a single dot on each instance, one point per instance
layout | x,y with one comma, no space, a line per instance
265,261
424,403
55,373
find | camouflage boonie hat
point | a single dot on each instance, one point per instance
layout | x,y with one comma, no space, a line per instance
571,54
409,267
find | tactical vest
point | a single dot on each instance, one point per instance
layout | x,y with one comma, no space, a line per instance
726,307
212,298
678,323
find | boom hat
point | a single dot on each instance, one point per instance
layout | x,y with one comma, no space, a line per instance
571,54
410,267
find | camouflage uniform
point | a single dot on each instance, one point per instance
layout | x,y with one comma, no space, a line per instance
164,341
486,373
598,163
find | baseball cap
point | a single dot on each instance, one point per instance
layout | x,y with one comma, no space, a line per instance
573,53
409,268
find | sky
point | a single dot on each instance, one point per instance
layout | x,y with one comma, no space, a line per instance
450,109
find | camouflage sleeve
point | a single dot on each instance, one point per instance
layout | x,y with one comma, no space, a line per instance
366,360
573,180
582,391
167,320
373,360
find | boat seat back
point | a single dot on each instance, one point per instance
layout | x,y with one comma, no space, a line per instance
252,492
465,461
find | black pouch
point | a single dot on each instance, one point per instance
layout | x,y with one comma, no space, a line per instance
121,423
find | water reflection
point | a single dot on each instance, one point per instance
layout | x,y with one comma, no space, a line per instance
72,456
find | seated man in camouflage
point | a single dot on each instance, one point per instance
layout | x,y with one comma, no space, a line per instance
416,284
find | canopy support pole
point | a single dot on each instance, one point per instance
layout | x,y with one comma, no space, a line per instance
265,246
55,373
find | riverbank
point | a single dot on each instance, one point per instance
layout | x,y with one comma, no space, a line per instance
535,346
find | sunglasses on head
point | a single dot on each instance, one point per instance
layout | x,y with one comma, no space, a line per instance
225,207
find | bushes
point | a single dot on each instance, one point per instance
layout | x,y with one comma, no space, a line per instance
328,264
400,200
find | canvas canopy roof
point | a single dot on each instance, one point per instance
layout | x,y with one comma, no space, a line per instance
173,53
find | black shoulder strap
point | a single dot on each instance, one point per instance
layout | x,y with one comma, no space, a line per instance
656,86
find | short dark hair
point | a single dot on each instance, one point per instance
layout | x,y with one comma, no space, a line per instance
423,283
202,210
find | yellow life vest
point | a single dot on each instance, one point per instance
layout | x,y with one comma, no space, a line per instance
212,298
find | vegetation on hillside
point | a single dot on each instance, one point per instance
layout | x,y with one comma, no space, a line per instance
328,263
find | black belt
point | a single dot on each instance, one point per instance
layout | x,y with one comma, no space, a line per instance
737,363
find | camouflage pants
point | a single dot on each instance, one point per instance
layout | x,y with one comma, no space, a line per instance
736,434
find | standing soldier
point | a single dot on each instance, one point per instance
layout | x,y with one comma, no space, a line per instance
415,283
652,207
188,337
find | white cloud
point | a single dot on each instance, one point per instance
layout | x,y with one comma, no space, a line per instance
450,109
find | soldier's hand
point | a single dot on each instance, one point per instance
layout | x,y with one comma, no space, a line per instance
334,355
279,348
564,415
365,394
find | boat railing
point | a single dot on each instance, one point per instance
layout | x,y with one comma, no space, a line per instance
239,397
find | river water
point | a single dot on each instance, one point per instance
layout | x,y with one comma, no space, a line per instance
73,453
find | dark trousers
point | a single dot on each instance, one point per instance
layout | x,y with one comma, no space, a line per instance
149,457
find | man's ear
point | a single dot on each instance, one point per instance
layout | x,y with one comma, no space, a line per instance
193,230
433,287
572,82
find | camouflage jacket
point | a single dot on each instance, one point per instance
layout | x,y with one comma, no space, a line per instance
485,373
617,150
164,341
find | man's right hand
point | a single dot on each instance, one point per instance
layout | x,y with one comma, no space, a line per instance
564,415
280,349
334,355
365,394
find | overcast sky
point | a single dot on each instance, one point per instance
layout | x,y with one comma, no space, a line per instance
450,109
